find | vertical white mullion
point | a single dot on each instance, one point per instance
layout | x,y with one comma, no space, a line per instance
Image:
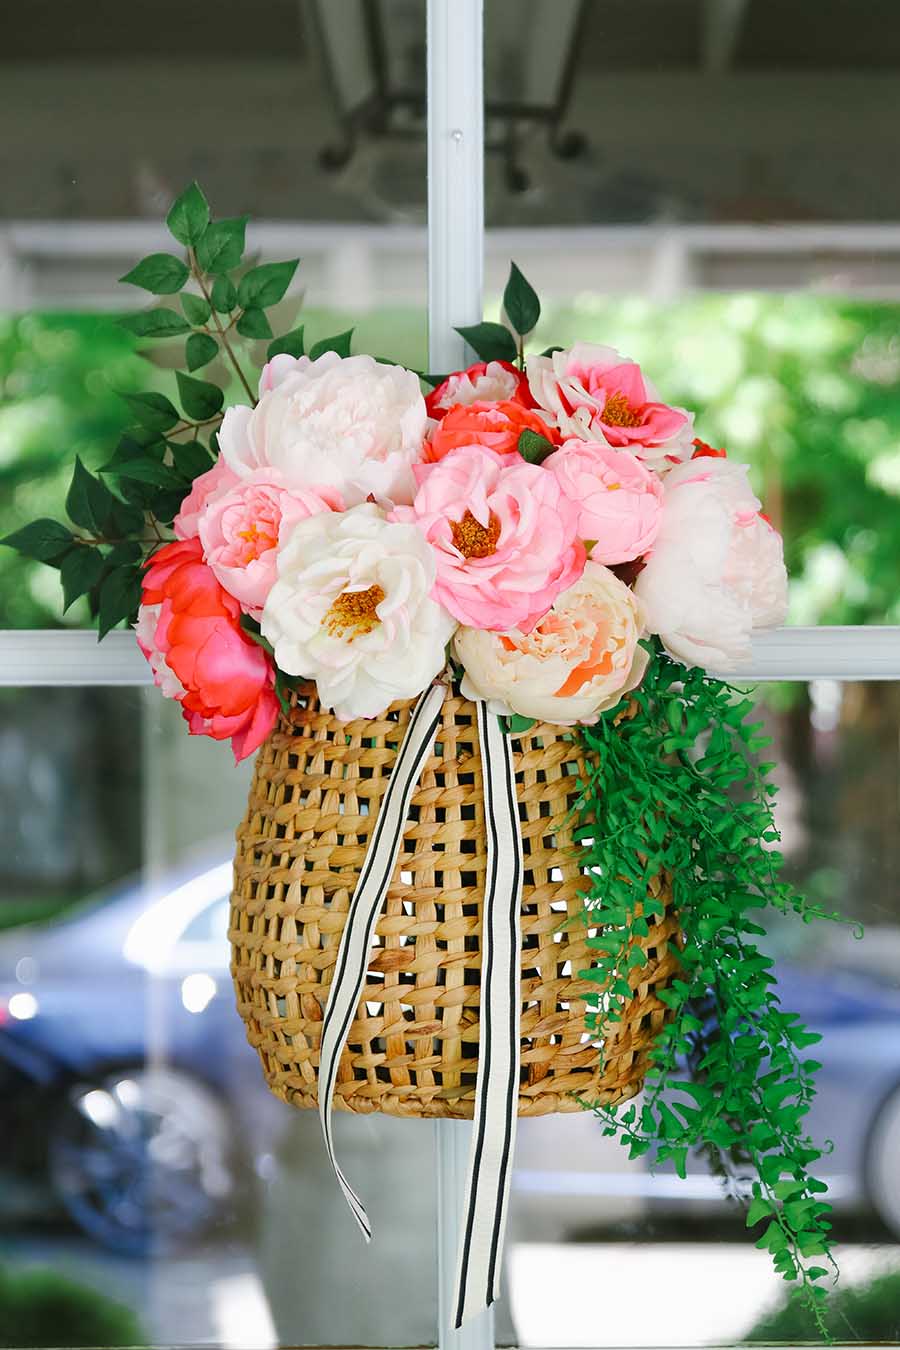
455,270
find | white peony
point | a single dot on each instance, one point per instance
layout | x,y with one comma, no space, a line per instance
579,660
347,423
716,571
352,610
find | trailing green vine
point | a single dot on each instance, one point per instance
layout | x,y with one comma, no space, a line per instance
676,789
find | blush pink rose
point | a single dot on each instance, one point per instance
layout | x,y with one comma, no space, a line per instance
204,488
497,426
483,382
241,528
593,393
505,537
619,500
189,630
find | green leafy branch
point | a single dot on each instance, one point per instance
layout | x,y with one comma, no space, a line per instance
674,791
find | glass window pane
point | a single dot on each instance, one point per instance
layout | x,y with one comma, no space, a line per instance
144,1157
698,185
94,152
674,1257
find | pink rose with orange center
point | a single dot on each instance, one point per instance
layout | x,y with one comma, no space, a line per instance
593,393
619,499
189,630
576,662
504,536
497,426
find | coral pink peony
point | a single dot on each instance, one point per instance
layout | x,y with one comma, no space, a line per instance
619,500
204,488
497,426
484,382
504,536
579,660
594,394
240,530
189,630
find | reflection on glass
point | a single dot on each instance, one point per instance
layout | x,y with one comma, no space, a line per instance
144,1152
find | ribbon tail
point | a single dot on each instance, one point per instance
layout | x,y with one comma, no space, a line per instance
368,900
497,1084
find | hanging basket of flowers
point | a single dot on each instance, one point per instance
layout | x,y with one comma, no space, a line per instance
506,841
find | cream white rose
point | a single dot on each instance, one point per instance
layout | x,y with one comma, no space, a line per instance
716,571
352,610
579,660
346,423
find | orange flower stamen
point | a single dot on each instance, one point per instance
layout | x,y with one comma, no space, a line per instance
473,539
618,412
354,610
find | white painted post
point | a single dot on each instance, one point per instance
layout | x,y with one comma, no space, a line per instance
455,264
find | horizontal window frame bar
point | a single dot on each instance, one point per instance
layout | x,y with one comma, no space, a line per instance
71,657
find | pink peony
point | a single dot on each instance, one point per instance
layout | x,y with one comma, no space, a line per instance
189,630
619,500
484,382
240,530
504,536
495,425
594,394
205,486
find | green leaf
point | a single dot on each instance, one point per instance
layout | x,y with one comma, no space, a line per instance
199,350
517,725
549,351
291,344
89,501
222,245
45,540
339,344
191,458
254,324
223,295
265,285
491,341
79,572
120,595
149,471
197,309
200,399
189,216
252,630
153,410
520,302
157,323
534,447
160,273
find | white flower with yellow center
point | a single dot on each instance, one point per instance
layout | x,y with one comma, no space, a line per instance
352,610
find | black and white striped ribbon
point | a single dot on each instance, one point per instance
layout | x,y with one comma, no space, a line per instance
496,1092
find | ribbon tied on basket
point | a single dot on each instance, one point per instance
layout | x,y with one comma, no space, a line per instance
497,1082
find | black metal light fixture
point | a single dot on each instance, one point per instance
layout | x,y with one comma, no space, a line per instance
373,56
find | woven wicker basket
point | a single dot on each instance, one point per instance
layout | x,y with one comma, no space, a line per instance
413,1049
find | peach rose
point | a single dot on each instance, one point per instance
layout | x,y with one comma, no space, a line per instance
577,661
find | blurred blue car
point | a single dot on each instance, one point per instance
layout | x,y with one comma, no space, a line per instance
124,1067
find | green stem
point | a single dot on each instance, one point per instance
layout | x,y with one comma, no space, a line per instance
221,332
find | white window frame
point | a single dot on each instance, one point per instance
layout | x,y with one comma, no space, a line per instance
455,269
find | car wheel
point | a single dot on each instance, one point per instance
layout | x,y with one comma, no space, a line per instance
143,1159
882,1152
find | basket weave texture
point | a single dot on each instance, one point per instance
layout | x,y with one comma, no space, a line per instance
413,1048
